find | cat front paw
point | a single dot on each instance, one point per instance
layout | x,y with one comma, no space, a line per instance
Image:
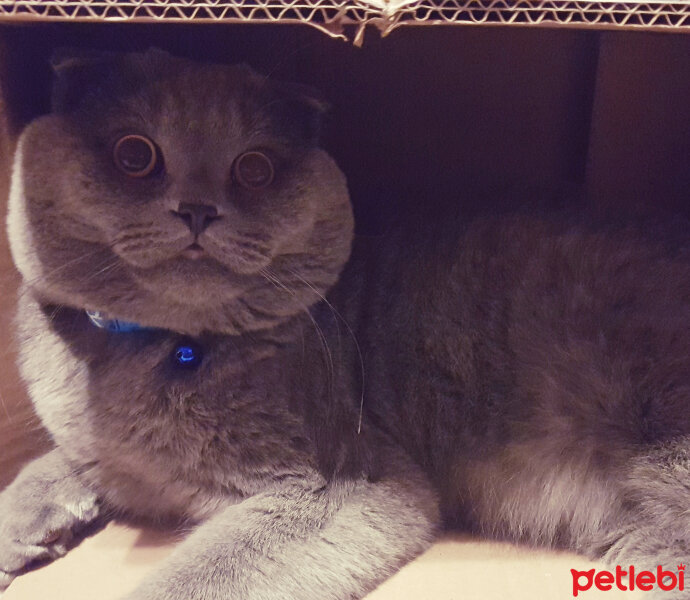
39,529
38,520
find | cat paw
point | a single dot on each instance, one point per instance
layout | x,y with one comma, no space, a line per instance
39,529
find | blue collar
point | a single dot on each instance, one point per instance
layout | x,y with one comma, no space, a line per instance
187,353
100,320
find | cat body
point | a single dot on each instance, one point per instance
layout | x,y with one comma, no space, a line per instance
525,377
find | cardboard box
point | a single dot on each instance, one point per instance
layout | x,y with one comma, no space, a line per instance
426,112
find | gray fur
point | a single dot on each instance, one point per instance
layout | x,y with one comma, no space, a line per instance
524,377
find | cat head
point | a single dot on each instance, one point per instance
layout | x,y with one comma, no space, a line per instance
177,194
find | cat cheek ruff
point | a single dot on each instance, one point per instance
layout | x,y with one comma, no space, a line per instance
187,354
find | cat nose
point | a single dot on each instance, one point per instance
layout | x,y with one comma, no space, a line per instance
197,216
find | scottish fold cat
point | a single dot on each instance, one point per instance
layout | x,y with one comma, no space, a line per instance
209,344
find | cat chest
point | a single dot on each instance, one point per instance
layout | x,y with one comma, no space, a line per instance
220,427
190,454
210,424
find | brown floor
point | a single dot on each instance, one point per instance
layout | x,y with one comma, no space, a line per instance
108,565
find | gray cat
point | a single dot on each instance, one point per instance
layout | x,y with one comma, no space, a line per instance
207,347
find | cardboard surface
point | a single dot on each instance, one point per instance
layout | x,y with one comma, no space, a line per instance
110,564
639,147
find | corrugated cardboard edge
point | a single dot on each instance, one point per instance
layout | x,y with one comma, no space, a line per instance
332,17
653,15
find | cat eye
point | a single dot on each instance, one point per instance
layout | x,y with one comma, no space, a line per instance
253,170
135,155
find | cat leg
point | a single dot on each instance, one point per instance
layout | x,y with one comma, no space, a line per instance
657,492
39,513
634,510
653,526
304,540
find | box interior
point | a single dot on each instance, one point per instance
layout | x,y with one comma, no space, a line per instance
476,116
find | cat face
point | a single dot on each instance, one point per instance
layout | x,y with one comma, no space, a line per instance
178,195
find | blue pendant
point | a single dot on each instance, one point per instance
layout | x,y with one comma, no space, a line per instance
188,355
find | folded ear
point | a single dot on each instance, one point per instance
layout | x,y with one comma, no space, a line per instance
76,73
302,107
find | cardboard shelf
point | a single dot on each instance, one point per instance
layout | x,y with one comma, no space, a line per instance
332,16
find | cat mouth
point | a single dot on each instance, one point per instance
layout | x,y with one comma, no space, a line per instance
194,251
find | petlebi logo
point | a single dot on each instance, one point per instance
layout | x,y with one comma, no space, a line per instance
629,580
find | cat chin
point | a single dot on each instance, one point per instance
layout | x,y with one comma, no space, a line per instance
198,282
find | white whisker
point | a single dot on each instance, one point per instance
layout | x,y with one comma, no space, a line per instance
273,279
352,334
